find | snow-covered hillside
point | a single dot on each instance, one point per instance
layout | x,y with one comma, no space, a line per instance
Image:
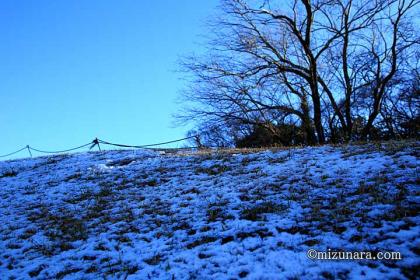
211,215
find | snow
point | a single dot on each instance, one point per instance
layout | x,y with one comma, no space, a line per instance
210,215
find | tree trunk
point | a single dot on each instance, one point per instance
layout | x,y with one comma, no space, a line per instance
317,104
317,119
306,122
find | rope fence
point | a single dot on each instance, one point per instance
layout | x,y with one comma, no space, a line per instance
97,143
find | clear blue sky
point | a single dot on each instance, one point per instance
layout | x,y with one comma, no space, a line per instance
72,70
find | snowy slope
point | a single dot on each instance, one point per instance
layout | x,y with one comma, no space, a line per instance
210,215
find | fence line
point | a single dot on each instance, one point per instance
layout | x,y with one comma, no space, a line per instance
24,148
97,142
62,151
146,146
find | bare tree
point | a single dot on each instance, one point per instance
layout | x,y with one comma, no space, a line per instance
323,62
367,50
